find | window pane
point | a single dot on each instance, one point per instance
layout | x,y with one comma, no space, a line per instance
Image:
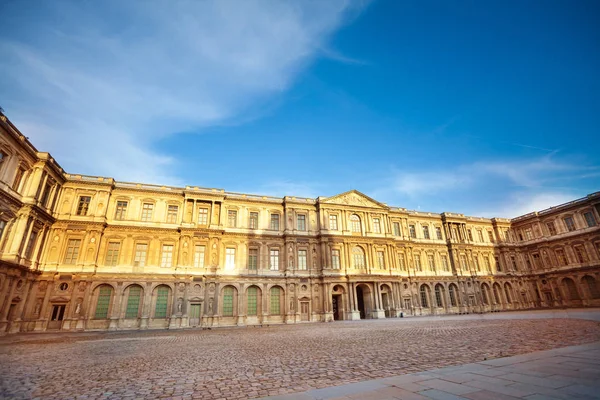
232,218
301,222
147,209
274,260
112,253
199,254
589,219
121,209
302,259
104,294
84,204
162,298
167,256
133,302
72,251
252,300
253,259
228,302
275,222
172,214
140,254
203,216
253,220
275,301
335,259
230,258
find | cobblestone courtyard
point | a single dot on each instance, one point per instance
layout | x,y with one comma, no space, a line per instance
254,362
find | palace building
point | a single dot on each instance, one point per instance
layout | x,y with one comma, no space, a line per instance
91,253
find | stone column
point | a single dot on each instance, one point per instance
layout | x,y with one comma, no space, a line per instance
40,324
241,309
7,304
115,312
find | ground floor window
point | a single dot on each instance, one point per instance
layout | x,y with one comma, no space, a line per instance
162,299
104,295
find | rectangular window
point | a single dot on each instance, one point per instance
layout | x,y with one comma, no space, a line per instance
253,223
570,224
581,254
203,216
230,258
253,259
491,236
335,259
333,225
18,178
528,234
589,219
445,265
301,222
498,265
199,255
488,267
476,261
463,262
426,232
418,263
112,253
120,210
232,218
560,256
480,235
438,233
402,261
376,225
228,302
147,209
551,228
470,234
381,259
84,205
536,261
30,244
72,253
45,194
172,212
431,262
513,260
133,302
274,259
412,231
141,250
275,222
167,256
396,229
302,259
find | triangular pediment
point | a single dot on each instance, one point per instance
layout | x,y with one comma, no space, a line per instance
353,198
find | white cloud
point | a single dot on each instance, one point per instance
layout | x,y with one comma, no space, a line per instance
103,82
521,203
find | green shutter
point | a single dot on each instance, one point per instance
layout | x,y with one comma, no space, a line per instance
162,298
133,302
228,302
252,296
104,295
275,297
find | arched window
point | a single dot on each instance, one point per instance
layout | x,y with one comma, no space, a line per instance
424,296
359,257
571,289
484,294
452,291
592,286
496,293
439,290
252,298
103,303
133,301
355,223
228,301
275,300
507,290
162,301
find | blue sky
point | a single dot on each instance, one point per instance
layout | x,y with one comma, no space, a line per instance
486,108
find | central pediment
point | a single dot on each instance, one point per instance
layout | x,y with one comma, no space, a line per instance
353,198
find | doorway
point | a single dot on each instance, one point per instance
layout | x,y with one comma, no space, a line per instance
57,316
337,307
363,295
407,306
195,314
304,311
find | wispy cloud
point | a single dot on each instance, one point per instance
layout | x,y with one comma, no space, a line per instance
501,188
101,82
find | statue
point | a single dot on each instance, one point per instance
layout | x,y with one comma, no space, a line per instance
210,306
38,306
179,304
78,307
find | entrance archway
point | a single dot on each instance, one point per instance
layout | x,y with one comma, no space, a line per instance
337,301
363,298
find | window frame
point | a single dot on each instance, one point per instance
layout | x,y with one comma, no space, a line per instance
147,212
83,207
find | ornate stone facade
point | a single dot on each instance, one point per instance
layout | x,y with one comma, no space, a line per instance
90,253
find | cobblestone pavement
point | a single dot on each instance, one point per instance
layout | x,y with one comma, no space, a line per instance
237,363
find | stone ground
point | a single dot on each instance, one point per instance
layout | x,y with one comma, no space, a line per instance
235,363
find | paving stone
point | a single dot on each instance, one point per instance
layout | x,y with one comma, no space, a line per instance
293,361
440,395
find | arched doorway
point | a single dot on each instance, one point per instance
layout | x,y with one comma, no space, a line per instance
363,298
337,302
